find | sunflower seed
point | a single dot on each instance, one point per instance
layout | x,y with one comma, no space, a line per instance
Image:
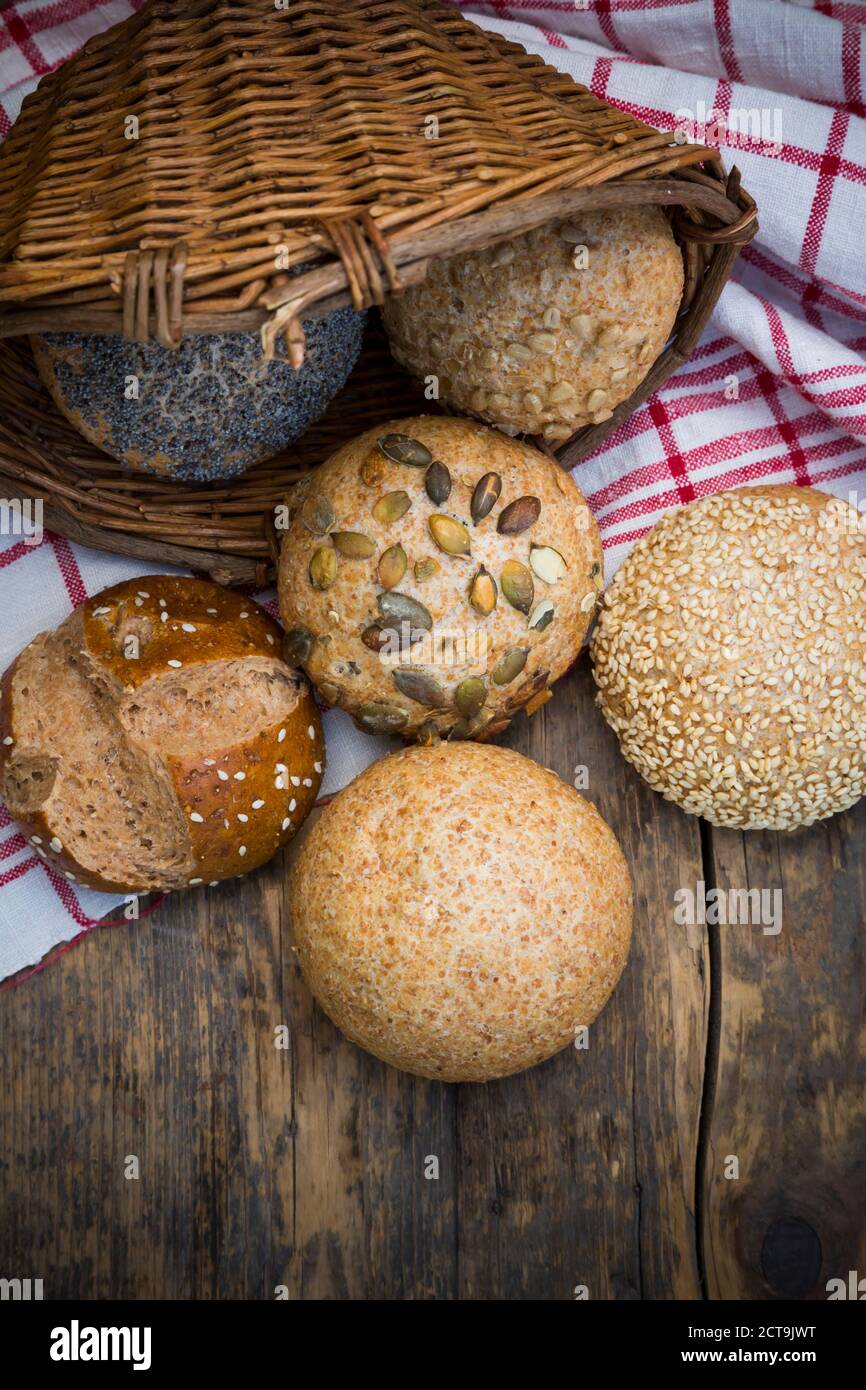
318,515
380,718
297,645
502,255
518,516
519,352
353,544
374,637
533,402
482,593
596,575
450,535
401,608
392,566
610,335
560,393
596,400
485,496
547,563
426,568
420,687
582,325
588,601
372,470
517,585
552,317
542,615
509,666
469,696
428,734
575,236
391,506
399,448
323,567
437,481
645,353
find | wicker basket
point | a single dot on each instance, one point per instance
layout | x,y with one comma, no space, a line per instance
268,137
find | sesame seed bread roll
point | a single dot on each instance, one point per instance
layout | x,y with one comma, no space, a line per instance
730,657
437,577
460,912
549,332
157,740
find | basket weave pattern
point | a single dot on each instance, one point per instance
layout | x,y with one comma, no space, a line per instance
357,139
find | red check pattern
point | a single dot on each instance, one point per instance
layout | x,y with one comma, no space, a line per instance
775,392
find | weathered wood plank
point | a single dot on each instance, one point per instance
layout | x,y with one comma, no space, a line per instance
789,1086
582,1171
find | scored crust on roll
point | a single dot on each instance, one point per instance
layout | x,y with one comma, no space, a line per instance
157,740
730,657
460,912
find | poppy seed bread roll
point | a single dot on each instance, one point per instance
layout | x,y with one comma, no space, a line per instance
460,912
157,740
549,332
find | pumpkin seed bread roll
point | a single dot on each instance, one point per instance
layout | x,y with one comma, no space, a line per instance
549,332
460,912
436,577
730,657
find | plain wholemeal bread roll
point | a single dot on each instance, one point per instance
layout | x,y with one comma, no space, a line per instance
730,657
460,912
156,739
436,577
549,332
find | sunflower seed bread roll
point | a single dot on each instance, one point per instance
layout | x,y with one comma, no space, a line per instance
460,912
157,740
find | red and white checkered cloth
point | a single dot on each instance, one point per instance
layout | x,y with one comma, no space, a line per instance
775,392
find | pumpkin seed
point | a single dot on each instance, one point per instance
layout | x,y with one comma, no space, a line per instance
391,506
575,236
318,515
518,516
399,448
381,718
482,593
485,496
428,734
470,695
374,637
509,666
450,535
426,568
401,608
297,645
420,687
323,567
392,566
437,481
517,585
547,563
542,615
353,544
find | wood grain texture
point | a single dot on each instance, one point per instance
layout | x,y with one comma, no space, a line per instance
305,1168
789,1079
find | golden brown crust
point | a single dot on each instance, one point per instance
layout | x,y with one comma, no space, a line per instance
464,642
730,657
459,911
239,804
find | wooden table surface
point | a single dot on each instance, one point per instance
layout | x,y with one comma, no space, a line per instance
609,1168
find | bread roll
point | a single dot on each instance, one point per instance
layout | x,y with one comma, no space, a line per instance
549,332
157,740
730,657
209,409
436,577
460,912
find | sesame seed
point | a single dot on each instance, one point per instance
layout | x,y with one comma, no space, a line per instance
242,849
308,781
213,612
242,816
223,776
142,593
296,781
240,776
36,839
194,881
257,805
8,741
286,823
163,617
317,767
281,735
174,662
245,614
55,844
292,804
194,815
100,612
311,733
188,627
